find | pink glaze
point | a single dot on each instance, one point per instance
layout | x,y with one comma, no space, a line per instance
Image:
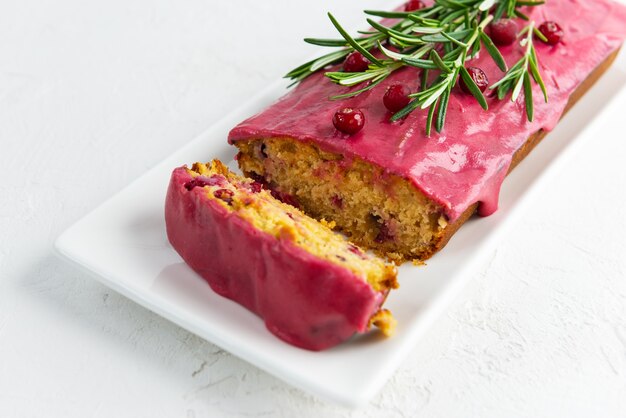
306,301
468,161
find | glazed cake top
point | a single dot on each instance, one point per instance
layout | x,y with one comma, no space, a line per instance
468,160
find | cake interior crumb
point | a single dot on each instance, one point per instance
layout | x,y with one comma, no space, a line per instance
251,202
377,210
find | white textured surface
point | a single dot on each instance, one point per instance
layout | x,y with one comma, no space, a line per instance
91,95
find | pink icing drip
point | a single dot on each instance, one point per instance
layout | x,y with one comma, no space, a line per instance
306,301
468,161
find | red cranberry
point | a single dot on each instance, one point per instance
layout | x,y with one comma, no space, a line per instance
225,195
413,5
503,32
349,120
396,97
290,200
204,181
384,234
479,77
355,250
255,186
192,184
355,63
552,31
257,178
285,198
337,201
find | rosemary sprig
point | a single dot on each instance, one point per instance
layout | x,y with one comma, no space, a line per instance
437,40
519,75
438,94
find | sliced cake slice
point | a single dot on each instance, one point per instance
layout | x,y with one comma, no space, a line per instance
312,287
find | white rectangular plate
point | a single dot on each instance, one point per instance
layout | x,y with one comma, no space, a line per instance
123,243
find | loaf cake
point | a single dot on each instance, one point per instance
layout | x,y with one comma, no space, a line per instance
387,184
311,286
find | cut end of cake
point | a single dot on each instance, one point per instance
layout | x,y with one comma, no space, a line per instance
378,210
257,205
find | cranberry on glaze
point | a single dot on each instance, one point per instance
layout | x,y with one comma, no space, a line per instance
396,97
503,32
413,5
349,120
355,63
552,31
479,77
225,195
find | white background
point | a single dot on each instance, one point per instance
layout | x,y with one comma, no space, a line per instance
92,94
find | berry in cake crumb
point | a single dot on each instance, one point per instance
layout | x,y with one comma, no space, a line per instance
384,234
337,201
255,186
225,195
257,178
355,62
413,5
503,32
203,181
396,97
349,120
479,77
355,250
285,198
552,31
192,184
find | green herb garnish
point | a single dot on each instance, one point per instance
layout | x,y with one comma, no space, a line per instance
438,40
519,75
